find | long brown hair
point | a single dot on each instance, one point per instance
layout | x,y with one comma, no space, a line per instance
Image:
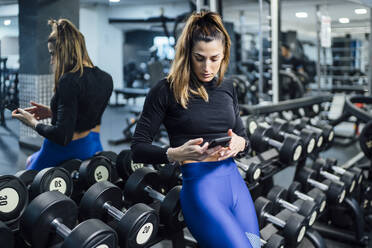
70,49
204,26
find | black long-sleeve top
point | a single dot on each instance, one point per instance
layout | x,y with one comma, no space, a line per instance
77,105
207,120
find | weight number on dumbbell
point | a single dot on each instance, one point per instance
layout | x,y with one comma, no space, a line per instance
101,173
58,184
9,200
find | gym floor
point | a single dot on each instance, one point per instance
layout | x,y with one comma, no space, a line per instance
13,158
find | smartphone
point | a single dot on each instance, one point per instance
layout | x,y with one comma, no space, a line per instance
11,106
224,142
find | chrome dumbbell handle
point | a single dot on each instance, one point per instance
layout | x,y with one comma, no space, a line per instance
61,229
317,184
288,205
274,220
114,212
154,194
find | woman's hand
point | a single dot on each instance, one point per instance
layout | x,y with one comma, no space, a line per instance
192,150
25,117
237,144
39,111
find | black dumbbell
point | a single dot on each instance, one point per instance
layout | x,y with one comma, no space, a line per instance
88,172
251,171
296,125
294,227
307,209
328,131
349,179
289,151
51,215
251,125
137,225
13,198
6,236
335,192
282,128
275,241
111,157
139,188
49,179
318,197
170,175
27,176
331,165
125,165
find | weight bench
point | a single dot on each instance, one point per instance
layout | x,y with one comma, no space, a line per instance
130,93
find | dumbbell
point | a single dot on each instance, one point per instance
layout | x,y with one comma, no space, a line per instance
282,128
349,179
319,198
294,227
49,179
331,165
27,176
139,188
51,215
307,209
137,225
328,131
251,125
86,173
170,175
125,165
251,171
6,236
289,151
295,125
335,192
111,157
275,241
13,199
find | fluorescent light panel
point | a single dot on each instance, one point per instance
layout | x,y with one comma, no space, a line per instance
301,15
344,20
114,1
360,11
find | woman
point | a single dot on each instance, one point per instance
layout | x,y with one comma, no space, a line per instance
81,94
196,105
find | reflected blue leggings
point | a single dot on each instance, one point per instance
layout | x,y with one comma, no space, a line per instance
217,206
52,154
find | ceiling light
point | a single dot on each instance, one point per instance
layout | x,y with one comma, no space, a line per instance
301,15
344,20
7,22
360,11
114,1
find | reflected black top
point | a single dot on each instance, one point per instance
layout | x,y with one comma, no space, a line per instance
207,120
78,104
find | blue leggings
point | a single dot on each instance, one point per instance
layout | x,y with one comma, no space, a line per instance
217,206
52,154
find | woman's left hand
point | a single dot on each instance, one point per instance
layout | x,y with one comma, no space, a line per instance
237,144
25,117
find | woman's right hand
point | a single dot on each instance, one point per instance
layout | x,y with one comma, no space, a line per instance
192,150
39,111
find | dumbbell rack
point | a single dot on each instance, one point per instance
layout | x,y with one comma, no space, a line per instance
5,74
358,235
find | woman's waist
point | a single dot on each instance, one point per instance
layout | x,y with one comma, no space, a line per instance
196,169
213,158
82,134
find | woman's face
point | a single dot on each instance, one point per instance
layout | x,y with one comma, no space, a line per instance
206,59
51,52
